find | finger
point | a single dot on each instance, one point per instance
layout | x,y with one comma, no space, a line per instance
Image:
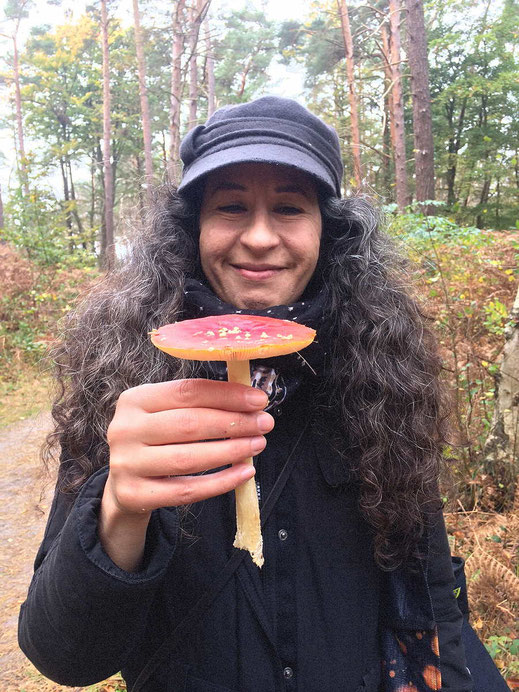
192,425
194,457
194,393
185,490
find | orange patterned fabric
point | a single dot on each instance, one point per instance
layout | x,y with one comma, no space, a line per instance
432,677
412,662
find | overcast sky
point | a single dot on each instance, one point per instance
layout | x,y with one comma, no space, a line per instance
284,82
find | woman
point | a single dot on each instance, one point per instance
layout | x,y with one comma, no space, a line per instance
356,591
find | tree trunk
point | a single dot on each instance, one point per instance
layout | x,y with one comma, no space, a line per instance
450,174
502,445
498,200
66,196
73,197
163,150
19,118
485,190
398,131
143,94
2,222
93,194
350,71
102,217
388,137
138,167
454,147
195,19
483,200
176,92
247,68
68,184
209,66
421,97
386,151
107,240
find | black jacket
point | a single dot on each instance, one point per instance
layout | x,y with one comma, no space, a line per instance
312,619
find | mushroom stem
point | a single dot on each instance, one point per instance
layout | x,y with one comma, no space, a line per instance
248,526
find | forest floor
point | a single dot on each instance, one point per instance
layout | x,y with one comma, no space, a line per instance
26,494
468,288
25,497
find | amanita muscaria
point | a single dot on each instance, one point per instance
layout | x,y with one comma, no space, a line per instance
236,339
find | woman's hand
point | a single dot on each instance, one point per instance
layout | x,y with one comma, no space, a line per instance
161,436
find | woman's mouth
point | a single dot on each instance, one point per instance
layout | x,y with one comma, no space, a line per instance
260,272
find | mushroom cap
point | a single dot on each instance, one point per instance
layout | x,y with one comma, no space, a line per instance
232,337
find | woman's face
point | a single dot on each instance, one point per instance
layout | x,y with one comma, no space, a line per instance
260,232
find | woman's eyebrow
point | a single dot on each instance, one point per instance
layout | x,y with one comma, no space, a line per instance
293,187
226,185
231,185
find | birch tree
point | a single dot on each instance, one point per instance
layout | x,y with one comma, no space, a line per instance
502,445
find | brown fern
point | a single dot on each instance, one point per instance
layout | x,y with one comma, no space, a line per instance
494,570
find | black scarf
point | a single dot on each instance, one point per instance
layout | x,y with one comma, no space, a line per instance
279,377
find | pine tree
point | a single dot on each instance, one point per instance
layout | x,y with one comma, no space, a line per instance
398,129
143,94
16,10
107,257
421,96
350,70
177,49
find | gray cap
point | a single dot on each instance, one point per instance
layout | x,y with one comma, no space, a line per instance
268,130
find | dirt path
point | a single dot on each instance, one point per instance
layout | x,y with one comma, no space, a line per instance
25,494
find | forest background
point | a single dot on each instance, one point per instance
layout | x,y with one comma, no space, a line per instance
425,99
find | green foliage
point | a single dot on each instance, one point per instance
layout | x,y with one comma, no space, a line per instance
474,72
496,317
243,53
467,278
29,313
62,110
17,9
317,44
505,651
35,225
420,232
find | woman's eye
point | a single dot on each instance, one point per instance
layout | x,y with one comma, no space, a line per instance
231,208
287,210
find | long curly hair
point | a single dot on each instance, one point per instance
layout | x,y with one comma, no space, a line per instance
390,412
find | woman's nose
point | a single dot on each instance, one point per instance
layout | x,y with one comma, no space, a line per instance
260,233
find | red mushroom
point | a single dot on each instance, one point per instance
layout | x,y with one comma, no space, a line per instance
236,339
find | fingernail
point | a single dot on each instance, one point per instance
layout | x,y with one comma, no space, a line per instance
264,421
257,444
255,397
247,471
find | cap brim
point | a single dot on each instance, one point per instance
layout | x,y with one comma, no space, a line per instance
257,153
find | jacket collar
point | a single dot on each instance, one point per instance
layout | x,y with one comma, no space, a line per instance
336,469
